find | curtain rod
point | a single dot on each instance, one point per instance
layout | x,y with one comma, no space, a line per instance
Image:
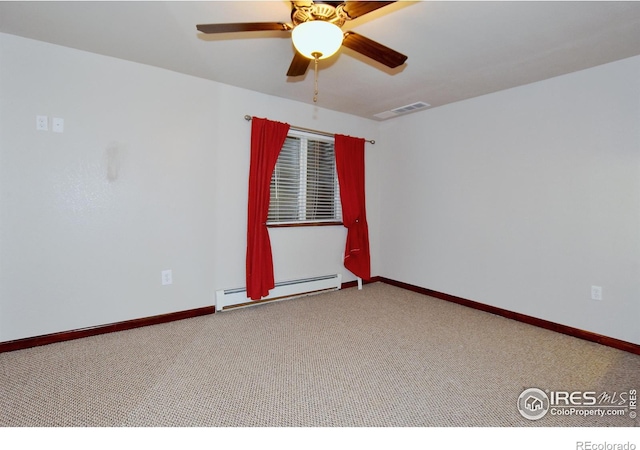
324,133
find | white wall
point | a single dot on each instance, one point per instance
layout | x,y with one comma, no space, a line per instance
150,173
523,199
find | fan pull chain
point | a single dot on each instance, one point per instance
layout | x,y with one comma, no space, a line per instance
315,79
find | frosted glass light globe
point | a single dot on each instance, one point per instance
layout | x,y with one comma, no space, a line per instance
317,37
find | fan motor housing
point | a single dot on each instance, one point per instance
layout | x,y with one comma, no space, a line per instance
307,11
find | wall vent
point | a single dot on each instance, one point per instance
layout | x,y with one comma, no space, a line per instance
402,110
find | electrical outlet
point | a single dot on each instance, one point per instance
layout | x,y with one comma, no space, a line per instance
167,277
596,293
42,123
57,125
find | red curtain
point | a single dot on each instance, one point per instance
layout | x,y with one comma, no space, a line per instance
267,138
350,167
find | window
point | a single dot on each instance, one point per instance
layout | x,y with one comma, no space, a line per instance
304,184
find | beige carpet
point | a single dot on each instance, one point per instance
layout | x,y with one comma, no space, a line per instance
380,357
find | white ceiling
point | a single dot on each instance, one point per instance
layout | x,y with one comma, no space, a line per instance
456,50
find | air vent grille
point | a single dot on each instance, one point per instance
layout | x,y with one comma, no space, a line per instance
402,110
411,107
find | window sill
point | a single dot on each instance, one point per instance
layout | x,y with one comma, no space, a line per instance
303,224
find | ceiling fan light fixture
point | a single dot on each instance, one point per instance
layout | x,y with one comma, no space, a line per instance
317,38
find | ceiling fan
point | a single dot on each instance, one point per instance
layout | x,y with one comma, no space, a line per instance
327,16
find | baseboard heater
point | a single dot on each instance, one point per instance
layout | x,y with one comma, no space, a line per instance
236,298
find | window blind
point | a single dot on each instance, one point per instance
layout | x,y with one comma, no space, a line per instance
304,184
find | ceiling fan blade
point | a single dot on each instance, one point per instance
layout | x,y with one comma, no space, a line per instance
298,66
356,9
237,27
373,50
